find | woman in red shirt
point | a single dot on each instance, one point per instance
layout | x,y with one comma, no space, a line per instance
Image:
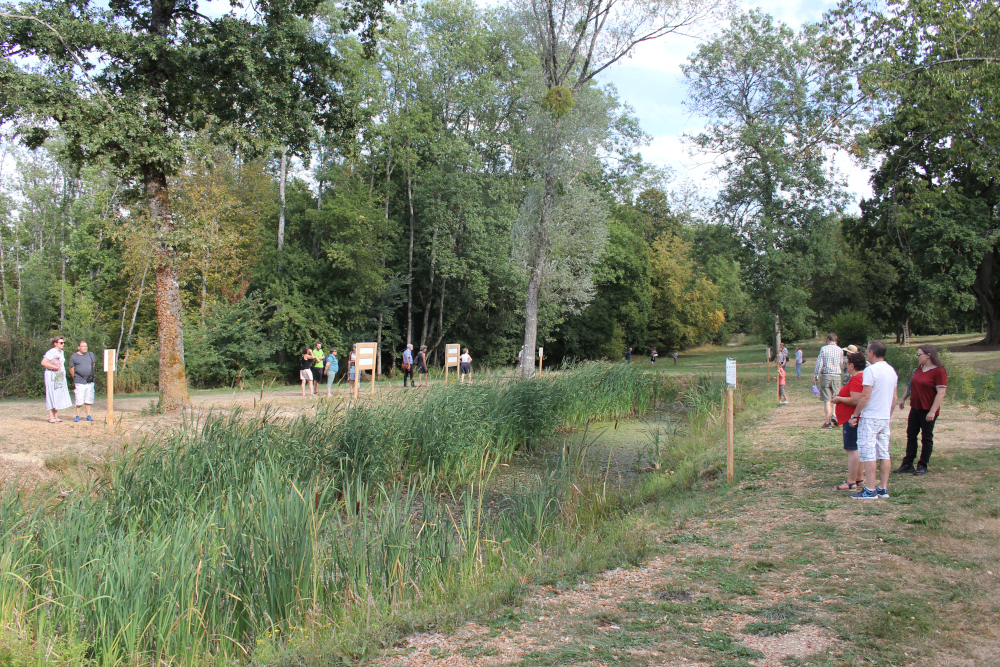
843,405
926,390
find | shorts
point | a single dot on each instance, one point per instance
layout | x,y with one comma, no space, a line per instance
465,369
84,393
850,437
422,370
781,390
873,439
306,374
829,385
317,374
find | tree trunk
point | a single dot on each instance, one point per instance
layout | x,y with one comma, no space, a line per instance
3,286
170,326
777,334
425,333
538,259
409,268
282,177
378,347
204,288
988,297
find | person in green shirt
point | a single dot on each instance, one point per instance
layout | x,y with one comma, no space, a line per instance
318,366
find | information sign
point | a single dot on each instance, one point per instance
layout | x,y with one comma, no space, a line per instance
730,372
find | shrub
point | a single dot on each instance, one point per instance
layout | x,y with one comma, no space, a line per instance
852,328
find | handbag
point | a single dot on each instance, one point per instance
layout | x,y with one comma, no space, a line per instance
406,367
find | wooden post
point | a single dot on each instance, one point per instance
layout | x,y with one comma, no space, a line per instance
730,437
540,357
110,366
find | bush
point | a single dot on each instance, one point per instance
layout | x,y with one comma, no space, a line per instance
231,345
853,328
20,372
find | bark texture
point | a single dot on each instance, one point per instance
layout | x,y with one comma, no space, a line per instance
173,382
988,297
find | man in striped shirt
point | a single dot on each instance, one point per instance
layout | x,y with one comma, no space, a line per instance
827,376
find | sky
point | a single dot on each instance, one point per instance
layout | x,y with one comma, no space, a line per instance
651,82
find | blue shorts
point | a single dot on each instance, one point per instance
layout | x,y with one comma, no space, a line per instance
850,437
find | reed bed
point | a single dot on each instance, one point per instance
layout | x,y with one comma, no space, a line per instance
207,544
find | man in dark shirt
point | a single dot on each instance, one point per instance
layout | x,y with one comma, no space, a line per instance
82,368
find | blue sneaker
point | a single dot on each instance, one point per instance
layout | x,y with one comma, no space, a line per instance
881,493
89,418
865,494
77,418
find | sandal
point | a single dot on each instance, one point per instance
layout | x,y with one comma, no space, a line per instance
846,486
55,421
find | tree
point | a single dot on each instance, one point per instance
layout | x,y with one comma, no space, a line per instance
575,40
932,72
156,72
686,310
773,104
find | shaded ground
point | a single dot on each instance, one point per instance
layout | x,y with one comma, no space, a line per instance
781,569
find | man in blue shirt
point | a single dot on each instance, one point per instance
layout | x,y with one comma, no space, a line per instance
408,364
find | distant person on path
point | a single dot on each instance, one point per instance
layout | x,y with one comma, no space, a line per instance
652,356
520,358
352,367
827,376
56,390
82,365
408,365
798,361
330,368
845,400
927,389
675,357
422,366
318,359
628,356
779,358
782,398
465,366
305,372
872,415
784,354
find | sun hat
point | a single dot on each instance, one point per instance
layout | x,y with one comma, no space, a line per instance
851,349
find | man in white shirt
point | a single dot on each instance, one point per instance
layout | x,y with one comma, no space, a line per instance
871,415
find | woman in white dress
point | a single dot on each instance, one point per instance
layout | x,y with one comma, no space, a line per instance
56,389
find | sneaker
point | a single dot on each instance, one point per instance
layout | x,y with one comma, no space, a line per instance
827,425
77,418
833,420
881,493
865,494
921,469
906,467
89,418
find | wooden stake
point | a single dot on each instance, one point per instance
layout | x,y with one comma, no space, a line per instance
730,437
111,398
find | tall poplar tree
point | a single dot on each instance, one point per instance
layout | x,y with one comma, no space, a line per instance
131,81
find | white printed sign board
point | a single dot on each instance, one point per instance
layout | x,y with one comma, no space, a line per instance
731,372
540,350
111,361
451,354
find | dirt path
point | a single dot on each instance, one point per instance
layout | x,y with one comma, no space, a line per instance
781,570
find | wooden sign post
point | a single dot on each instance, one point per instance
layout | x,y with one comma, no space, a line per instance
452,353
730,436
767,361
110,366
540,357
364,359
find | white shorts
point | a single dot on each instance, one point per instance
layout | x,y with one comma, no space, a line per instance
84,393
307,374
873,439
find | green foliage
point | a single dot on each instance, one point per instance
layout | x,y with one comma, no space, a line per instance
232,344
852,328
685,304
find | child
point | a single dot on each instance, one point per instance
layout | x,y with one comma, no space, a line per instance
781,384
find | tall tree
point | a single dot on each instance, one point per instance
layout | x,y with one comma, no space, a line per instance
774,105
576,40
128,82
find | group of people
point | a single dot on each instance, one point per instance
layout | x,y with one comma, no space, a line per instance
863,407
82,369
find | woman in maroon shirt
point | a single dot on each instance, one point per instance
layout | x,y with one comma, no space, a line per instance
926,391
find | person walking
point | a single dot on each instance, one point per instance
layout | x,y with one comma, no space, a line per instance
652,356
319,359
352,368
926,391
520,358
871,415
844,403
465,366
408,365
305,371
798,362
782,398
628,356
675,357
56,391
330,369
81,368
422,366
827,376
